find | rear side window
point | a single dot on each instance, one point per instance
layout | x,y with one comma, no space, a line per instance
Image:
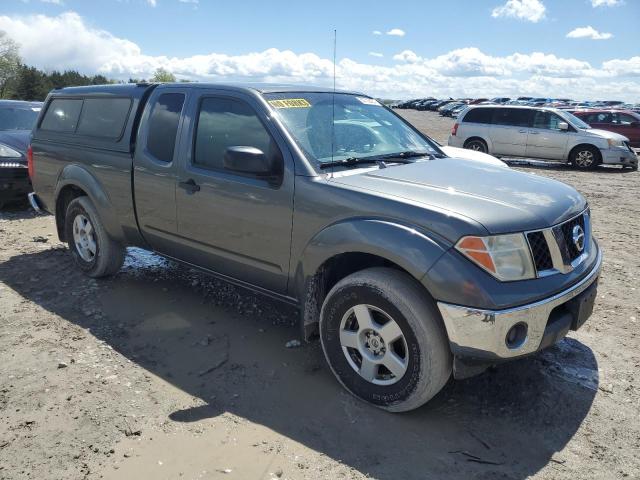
515,117
163,125
478,115
104,117
62,115
224,123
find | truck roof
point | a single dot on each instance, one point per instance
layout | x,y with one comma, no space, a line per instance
138,89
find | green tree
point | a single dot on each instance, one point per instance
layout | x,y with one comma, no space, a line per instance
32,84
9,63
163,76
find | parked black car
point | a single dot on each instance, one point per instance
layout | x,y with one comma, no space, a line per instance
16,121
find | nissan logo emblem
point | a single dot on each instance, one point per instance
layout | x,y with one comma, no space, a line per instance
577,235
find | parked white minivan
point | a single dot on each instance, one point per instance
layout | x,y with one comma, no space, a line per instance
543,133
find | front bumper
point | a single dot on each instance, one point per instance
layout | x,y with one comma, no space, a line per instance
619,156
481,335
14,184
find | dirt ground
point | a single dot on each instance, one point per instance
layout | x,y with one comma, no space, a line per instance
164,373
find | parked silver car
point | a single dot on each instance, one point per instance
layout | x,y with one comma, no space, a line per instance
538,132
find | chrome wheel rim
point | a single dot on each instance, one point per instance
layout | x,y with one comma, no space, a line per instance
585,158
84,238
374,345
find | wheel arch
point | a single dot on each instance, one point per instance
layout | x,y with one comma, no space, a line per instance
347,247
75,181
477,137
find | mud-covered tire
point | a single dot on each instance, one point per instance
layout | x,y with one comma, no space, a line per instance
477,145
95,252
585,157
388,294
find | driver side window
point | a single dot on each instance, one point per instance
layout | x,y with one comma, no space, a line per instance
546,120
224,123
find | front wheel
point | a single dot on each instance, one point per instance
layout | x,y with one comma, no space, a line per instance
97,254
585,157
384,340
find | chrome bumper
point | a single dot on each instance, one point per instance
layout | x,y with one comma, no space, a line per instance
485,331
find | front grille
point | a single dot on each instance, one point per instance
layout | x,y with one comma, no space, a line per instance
540,251
567,234
553,249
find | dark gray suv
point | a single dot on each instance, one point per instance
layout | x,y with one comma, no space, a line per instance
410,265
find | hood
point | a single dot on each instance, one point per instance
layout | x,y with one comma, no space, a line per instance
467,154
501,199
16,139
606,134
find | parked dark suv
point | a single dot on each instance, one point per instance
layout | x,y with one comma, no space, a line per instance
16,121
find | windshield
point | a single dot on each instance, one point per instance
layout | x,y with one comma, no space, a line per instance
362,127
575,121
12,118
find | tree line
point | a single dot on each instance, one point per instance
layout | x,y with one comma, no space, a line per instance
23,82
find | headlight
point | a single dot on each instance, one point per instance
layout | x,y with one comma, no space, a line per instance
506,257
615,143
8,152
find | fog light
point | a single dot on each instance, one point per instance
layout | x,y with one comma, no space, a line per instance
516,335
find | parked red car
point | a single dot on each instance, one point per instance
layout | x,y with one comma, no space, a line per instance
624,122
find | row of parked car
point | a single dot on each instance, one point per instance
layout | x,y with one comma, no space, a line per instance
452,107
610,115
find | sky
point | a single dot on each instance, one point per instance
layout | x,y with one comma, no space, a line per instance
581,49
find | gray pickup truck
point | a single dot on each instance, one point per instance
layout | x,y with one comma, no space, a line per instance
410,265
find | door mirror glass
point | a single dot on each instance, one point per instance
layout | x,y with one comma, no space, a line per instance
248,160
563,126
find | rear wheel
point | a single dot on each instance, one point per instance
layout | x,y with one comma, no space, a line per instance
476,145
97,254
384,340
585,157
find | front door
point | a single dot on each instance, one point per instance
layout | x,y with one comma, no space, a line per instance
545,139
238,225
509,131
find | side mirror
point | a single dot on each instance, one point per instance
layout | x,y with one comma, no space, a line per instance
247,160
564,126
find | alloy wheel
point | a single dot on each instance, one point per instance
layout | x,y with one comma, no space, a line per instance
374,344
84,238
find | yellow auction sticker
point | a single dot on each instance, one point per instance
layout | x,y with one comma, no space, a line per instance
290,103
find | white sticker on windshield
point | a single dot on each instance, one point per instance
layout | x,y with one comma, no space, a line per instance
368,101
36,109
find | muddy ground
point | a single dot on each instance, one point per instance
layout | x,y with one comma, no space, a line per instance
164,373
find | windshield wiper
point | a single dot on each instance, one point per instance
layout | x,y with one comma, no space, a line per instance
399,157
406,154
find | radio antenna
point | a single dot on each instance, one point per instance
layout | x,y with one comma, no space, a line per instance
333,99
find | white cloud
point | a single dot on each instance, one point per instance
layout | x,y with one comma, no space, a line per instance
54,2
588,32
377,32
460,72
606,3
153,3
396,32
529,10
376,54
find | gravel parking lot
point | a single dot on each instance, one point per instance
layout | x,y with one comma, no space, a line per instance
162,372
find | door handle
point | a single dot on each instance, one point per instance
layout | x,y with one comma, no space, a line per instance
534,133
190,186
522,131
